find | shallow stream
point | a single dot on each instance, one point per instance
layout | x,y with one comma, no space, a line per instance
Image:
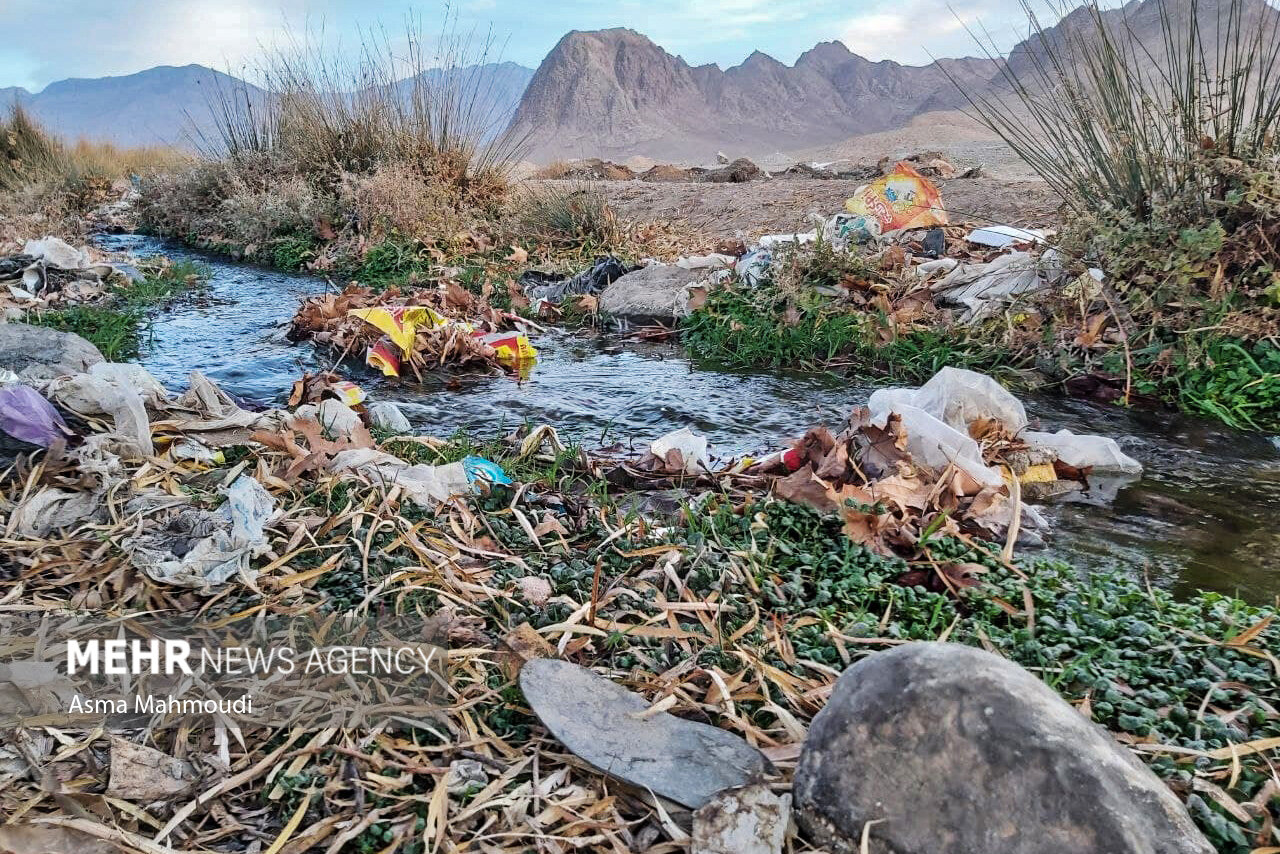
1204,514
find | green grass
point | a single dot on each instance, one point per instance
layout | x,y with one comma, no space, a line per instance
752,328
117,325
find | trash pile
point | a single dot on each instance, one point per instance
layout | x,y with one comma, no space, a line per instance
400,333
50,272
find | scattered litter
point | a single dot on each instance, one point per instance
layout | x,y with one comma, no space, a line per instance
52,509
618,733
754,266
28,417
747,820
957,397
203,549
901,199
1000,236
981,288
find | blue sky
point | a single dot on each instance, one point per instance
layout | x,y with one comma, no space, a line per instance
47,40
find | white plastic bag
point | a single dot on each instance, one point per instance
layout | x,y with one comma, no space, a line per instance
1099,452
692,448
427,486
957,397
121,391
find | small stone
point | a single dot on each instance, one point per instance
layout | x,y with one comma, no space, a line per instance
387,416
949,748
609,727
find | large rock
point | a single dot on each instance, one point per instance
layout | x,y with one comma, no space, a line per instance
651,293
37,354
948,748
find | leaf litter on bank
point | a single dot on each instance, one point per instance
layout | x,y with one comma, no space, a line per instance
739,614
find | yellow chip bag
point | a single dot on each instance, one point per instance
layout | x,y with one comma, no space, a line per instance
400,322
902,199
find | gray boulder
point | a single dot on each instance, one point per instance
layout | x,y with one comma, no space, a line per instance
37,354
651,293
949,748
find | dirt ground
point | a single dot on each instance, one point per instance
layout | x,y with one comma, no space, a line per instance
789,205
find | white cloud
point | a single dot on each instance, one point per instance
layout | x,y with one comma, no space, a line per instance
914,31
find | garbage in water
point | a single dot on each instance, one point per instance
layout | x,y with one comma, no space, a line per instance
901,199
621,735
28,417
425,336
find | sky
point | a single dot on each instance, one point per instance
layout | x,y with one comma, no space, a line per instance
48,40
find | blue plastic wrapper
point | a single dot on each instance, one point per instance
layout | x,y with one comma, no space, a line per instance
480,469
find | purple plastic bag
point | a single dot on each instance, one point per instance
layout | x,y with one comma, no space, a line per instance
25,415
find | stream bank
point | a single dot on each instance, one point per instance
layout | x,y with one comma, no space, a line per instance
1199,518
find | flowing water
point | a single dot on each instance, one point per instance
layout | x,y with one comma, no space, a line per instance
1202,516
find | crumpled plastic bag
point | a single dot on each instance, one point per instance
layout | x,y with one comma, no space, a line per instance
203,549
960,397
27,416
427,486
691,447
1099,452
981,288
957,397
933,443
901,199
553,288
52,509
122,391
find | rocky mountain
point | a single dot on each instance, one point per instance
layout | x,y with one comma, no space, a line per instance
160,106
172,106
616,93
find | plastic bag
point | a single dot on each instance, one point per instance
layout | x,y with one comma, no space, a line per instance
198,548
934,444
959,397
400,322
119,390
692,449
979,288
1099,452
28,417
902,199
427,486
553,288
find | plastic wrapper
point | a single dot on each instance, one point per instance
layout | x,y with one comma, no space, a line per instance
1100,453
121,391
400,323
902,199
383,357
28,417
